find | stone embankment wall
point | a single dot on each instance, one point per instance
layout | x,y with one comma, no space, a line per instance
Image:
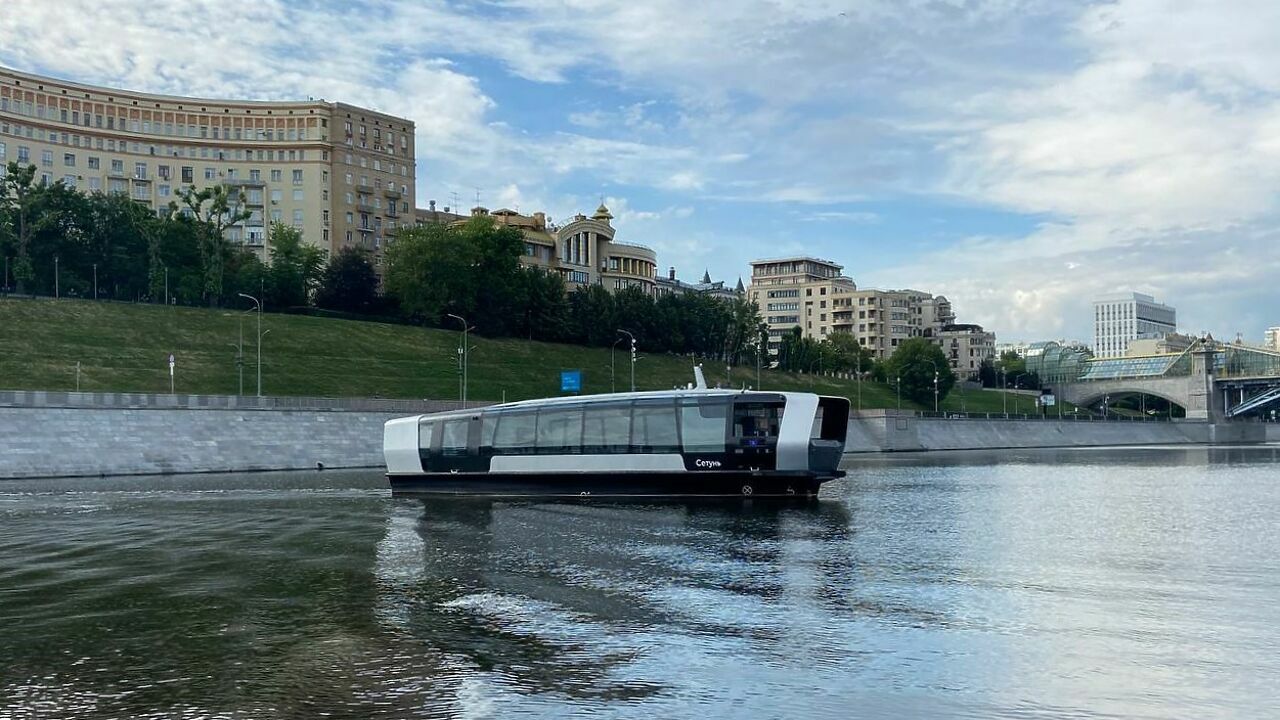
1273,432
887,430
76,434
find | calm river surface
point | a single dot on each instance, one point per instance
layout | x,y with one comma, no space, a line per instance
1138,583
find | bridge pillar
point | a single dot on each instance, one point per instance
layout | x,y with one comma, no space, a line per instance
1203,403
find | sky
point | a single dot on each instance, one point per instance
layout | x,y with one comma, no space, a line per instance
1017,156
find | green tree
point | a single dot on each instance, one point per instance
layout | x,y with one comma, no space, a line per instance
19,201
349,282
914,364
295,267
545,306
591,316
471,270
214,209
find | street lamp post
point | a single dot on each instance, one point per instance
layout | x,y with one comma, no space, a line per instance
613,386
95,281
56,290
1004,393
462,354
1015,391
633,358
258,306
897,381
859,379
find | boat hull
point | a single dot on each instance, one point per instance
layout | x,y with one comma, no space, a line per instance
611,484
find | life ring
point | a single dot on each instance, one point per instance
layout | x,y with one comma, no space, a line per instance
747,490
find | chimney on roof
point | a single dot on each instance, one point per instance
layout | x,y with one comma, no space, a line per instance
540,220
671,272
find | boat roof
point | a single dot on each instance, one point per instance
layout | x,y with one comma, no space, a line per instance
614,397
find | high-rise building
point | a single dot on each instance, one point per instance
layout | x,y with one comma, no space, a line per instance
1121,317
1272,338
342,174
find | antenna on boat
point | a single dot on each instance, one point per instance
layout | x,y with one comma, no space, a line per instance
700,382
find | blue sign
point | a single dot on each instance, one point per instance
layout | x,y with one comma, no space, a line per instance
571,381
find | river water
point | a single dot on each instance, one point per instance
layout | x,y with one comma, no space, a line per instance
1140,583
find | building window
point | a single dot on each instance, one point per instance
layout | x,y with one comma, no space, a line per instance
69,160
277,175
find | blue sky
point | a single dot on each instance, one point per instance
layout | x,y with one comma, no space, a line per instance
1019,156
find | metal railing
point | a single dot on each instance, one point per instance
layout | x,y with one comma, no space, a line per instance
1066,417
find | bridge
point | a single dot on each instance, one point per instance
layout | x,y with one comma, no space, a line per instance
1212,381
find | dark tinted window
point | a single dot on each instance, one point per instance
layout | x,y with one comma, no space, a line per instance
756,420
425,434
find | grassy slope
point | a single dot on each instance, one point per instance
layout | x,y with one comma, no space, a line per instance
123,347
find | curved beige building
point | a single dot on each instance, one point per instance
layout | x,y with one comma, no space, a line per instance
342,174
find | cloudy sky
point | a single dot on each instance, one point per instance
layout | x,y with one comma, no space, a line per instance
1018,156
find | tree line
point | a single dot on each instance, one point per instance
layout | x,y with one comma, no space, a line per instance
55,239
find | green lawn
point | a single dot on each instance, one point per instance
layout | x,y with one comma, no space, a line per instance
123,347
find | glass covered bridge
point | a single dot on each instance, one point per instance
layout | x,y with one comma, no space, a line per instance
1211,380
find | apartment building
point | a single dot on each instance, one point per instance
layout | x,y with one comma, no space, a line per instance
1119,318
584,251
1271,338
815,296
966,347
342,174
799,292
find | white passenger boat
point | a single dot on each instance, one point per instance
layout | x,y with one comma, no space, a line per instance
694,441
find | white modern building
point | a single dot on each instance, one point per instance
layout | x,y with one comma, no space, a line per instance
1272,338
1121,317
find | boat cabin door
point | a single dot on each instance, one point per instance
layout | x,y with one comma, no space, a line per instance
753,433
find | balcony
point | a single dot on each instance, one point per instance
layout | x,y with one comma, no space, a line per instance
241,182
366,207
392,193
117,173
391,211
140,178
365,188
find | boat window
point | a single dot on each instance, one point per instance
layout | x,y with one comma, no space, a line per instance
653,428
757,420
516,433
606,429
488,427
453,441
560,430
425,431
703,425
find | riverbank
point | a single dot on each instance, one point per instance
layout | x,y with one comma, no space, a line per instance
71,345
59,434
873,431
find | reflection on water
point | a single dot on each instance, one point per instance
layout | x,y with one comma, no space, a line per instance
1087,583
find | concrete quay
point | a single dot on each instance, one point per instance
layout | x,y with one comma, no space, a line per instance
61,434
893,431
